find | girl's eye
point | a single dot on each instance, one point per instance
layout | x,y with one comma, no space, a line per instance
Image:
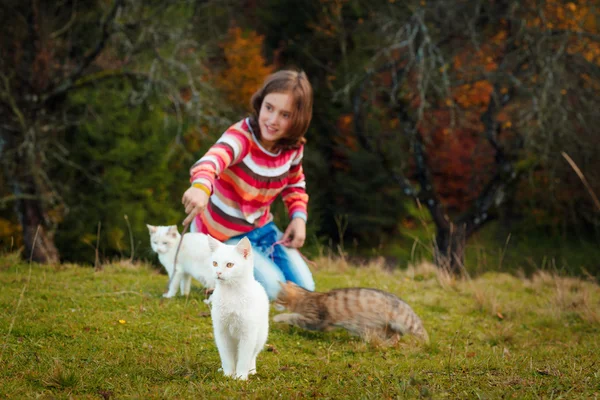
164,242
229,265
214,263
286,116
268,107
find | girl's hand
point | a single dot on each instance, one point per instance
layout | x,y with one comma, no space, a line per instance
194,200
295,234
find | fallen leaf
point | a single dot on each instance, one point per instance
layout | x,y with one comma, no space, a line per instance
272,348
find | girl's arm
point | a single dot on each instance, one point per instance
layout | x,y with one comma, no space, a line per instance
296,200
232,147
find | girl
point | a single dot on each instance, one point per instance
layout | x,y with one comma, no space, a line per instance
253,162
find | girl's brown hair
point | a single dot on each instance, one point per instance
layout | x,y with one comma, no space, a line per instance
296,83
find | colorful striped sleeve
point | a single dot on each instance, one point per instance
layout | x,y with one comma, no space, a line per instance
230,149
294,195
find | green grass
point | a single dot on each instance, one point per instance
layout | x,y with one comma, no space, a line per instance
71,332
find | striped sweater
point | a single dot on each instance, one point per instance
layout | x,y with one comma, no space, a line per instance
244,179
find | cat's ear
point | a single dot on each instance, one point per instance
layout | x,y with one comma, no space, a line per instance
283,285
152,229
293,287
173,231
286,284
244,248
213,243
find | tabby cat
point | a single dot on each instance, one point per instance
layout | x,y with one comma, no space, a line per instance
362,311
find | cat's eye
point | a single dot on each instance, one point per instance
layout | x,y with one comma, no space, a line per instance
214,264
229,265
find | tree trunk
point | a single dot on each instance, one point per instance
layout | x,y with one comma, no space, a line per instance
38,239
23,167
449,248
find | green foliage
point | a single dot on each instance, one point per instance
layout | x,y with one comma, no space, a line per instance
70,332
97,77
367,200
129,171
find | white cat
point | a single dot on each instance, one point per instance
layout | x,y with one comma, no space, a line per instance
240,308
193,260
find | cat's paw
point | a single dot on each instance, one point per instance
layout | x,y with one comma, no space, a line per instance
167,295
252,372
241,377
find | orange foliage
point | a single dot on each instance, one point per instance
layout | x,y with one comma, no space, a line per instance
459,158
345,126
246,68
347,140
576,17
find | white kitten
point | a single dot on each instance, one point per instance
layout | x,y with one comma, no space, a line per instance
240,308
193,260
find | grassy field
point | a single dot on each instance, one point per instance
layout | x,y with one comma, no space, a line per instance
72,332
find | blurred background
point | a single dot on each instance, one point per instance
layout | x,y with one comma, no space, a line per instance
461,132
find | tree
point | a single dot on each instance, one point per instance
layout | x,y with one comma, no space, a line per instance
51,51
245,66
521,74
134,174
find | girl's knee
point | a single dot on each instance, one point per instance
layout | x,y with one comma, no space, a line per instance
296,270
308,284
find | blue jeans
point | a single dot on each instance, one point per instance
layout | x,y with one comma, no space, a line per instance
274,264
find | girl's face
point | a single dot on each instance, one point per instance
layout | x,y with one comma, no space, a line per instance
275,118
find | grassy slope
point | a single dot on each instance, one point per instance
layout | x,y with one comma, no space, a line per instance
70,332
